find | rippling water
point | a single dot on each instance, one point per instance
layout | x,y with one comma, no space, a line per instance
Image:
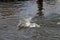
24,13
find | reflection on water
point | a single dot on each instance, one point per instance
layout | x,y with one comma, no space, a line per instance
40,7
5,11
51,11
24,14
26,11
28,14
51,2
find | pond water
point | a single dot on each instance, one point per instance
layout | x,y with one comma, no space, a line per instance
24,14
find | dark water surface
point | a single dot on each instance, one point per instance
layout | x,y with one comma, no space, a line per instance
44,27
